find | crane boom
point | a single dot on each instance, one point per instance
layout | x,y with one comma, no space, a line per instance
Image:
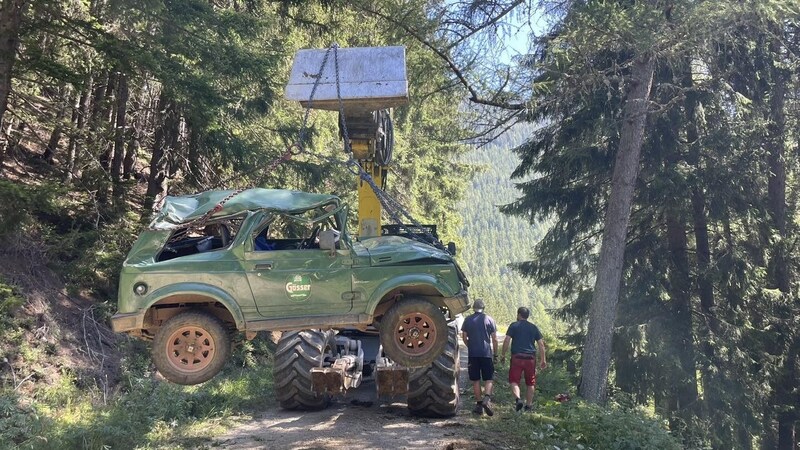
363,83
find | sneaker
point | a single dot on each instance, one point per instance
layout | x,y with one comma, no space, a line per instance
478,409
528,408
487,406
518,406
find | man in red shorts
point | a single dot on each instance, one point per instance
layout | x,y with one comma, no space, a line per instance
524,337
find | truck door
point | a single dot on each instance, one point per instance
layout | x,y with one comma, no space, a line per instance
291,277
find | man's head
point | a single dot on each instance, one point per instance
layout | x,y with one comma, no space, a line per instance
523,313
478,306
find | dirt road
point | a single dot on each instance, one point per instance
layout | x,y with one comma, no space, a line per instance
361,421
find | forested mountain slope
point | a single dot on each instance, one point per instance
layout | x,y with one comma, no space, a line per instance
493,241
108,105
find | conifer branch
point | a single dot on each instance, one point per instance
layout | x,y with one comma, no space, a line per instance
474,97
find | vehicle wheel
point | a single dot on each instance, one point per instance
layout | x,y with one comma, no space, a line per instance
413,332
191,347
433,391
297,353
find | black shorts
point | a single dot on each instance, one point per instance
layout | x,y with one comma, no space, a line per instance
480,368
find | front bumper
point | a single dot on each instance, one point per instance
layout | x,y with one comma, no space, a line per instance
121,323
458,303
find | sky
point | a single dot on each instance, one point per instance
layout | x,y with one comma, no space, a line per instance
520,30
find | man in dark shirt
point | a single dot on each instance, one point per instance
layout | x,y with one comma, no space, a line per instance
477,330
522,335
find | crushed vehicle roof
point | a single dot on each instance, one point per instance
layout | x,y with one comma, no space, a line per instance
180,209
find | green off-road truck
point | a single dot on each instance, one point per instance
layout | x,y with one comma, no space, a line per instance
222,262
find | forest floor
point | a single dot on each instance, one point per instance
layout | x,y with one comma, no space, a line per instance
360,421
60,332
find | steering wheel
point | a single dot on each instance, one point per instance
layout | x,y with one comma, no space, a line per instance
307,243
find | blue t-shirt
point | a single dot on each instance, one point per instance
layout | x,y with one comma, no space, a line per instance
523,337
479,329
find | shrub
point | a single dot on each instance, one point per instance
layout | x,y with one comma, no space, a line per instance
10,300
611,428
29,202
19,426
574,424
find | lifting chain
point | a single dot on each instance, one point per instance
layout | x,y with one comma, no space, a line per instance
392,207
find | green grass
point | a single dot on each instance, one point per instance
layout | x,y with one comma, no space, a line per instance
574,424
154,414
144,413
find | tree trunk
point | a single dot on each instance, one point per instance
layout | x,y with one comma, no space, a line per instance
705,287
98,100
52,144
603,310
76,135
157,180
787,421
140,122
174,139
682,391
58,130
130,155
98,97
7,142
194,172
13,139
119,143
776,184
712,368
10,21
684,387
786,380
107,114
102,120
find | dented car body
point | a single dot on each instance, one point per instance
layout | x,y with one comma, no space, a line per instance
276,260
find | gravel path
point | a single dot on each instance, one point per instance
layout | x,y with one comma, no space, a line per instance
360,421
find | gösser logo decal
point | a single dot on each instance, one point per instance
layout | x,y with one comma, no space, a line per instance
298,287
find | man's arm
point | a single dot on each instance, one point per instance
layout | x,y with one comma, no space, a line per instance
464,336
494,344
506,343
542,357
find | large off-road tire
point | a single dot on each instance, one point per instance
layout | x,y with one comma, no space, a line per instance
433,391
413,332
191,347
297,353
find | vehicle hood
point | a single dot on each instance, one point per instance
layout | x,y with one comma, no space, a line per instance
181,209
391,250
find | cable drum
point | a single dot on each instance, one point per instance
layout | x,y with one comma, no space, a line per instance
384,144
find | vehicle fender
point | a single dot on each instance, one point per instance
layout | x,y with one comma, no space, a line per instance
201,290
415,280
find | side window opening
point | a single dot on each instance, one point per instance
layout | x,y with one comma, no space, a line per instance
292,232
215,235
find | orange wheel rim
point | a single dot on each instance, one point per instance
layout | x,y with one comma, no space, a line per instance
190,349
416,333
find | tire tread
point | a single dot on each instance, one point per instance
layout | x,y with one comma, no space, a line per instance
297,353
433,390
